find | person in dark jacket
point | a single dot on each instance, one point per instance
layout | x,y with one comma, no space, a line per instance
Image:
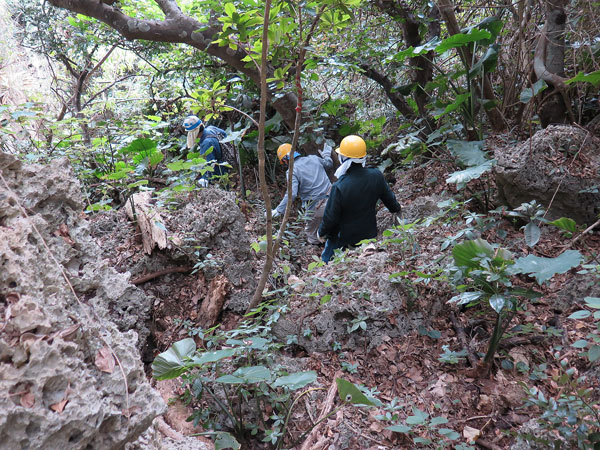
209,142
350,213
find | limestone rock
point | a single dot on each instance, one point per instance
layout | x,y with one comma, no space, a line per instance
559,167
59,394
369,295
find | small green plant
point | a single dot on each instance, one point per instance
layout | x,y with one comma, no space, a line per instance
450,356
571,419
234,375
592,341
356,323
483,273
349,367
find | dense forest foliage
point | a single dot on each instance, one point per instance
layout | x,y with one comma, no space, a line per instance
438,86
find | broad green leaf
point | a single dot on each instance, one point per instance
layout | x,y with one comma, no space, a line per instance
170,364
528,93
465,297
450,434
460,99
564,223
532,234
246,375
465,252
581,343
348,392
210,357
545,268
421,440
592,302
594,353
225,441
399,428
460,39
581,314
141,145
593,78
497,302
296,380
438,420
487,62
468,153
462,177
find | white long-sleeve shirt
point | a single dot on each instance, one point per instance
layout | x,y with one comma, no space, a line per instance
309,180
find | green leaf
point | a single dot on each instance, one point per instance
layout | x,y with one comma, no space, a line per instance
497,302
170,364
545,268
487,62
468,153
450,434
438,420
465,297
465,252
593,78
246,375
348,392
581,343
210,357
594,353
296,380
399,428
418,418
528,93
592,302
460,39
532,234
462,177
581,314
141,145
564,223
225,441
460,99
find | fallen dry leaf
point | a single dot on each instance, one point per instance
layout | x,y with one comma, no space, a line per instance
439,388
471,434
60,406
105,360
27,400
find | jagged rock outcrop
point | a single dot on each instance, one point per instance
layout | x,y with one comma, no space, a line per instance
559,167
63,388
358,289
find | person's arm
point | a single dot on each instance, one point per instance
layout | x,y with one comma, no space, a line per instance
329,227
388,198
206,145
284,201
326,160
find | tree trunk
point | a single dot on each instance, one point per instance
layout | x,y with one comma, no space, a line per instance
494,115
549,64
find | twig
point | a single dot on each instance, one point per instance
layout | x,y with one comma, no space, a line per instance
460,333
587,230
151,276
327,406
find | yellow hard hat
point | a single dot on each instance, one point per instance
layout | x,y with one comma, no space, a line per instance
352,147
283,151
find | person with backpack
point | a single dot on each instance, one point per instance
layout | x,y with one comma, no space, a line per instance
209,142
309,182
350,214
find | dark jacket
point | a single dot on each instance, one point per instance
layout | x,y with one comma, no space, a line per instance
210,140
350,214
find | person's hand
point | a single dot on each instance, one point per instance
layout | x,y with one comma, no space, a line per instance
203,182
321,238
274,214
326,152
